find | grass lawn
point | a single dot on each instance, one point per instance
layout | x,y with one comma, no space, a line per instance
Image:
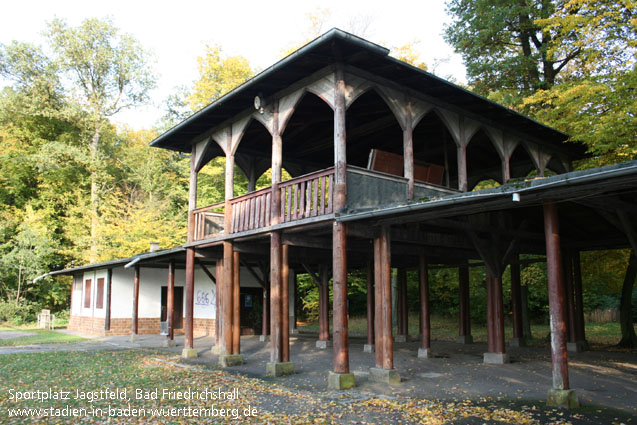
38,336
150,374
446,329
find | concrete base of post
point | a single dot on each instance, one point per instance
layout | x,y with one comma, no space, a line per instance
496,358
369,348
227,360
340,381
189,353
279,368
169,343
562,398
385,376
323,344
465,339
425,353
401,338
133,337
517,342
264,338
576,347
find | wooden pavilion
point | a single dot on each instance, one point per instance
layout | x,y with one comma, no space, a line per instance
384,158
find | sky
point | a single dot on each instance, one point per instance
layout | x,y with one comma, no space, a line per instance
177,32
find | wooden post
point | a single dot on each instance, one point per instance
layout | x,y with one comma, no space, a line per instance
339,284
370,304
236,305
228,303
516,301
265,320
383,315
408,154
192,194
275,297
219,302
506,170
403,313
464,333
170,302
285,304
579,300
569,298
109,286
498,315
340,158
134,327
462,159
324,304
425,324
559,355
190,297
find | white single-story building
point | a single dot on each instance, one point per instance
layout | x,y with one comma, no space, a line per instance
103,296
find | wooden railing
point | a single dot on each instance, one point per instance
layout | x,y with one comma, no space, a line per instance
301,197
251,211
208,221
307,196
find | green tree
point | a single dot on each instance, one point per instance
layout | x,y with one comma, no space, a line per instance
218,75
109,72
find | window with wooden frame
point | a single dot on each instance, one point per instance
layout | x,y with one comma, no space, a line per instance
99,296
87,293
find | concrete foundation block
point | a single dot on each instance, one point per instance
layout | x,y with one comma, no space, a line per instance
169,343
323,344
369,348
226,360
465,339
400,338
425,353
133,337
264,338
562,398
517,342
385,376
279,368
496,358
340,381
189,353
576,347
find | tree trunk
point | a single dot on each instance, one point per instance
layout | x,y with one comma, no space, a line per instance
629,339
17,296
94,201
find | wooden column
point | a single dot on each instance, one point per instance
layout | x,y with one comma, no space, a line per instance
109,287
192,194
285,304
134,324
324,304
275,298
190,297
265,320
370,304
236,304
339,285
383,316
569,298
506,170
403,313
219,302
579,299
227,299
516,301
464,332
340,148
557,311
462,159
425,324
170,301
497,314
408,155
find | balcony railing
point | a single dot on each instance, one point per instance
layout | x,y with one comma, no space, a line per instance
301,197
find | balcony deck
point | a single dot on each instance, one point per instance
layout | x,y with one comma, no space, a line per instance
308,199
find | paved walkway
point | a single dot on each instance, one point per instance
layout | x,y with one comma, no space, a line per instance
606,378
